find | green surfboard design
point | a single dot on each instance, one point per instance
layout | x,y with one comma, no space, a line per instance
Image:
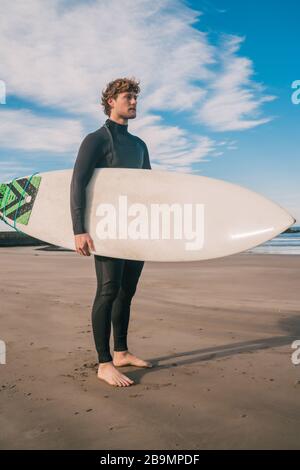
17,199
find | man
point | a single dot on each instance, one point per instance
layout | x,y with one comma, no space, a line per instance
116,278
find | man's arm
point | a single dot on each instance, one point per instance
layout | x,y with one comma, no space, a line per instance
83,170
146,163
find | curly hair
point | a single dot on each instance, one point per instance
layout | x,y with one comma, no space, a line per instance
120,85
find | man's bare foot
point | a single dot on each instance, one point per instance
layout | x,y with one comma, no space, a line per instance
108,373
125,358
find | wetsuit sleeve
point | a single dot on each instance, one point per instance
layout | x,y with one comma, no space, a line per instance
146,163
83,169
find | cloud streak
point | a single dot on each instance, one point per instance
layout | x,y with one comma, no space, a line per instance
22,129
233,101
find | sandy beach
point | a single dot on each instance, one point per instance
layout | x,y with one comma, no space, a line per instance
218,331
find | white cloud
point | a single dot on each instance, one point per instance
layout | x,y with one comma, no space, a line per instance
171,146
60,54
21,129
64,58
12,168
233,101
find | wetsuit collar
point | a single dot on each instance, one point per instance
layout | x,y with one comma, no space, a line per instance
116,126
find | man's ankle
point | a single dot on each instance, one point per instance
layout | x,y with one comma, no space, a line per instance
101,364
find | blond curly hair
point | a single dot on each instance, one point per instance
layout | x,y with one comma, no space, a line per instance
113,88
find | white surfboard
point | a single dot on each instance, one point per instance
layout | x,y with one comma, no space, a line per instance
148,215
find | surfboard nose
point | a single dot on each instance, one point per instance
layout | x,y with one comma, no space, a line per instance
284,220
266,223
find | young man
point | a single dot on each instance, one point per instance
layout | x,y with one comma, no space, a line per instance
116,278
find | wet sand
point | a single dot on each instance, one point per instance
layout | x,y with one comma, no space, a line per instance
219,333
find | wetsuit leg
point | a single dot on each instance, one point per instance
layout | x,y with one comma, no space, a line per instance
121,307
109,277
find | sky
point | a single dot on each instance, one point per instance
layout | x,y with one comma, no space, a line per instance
215,75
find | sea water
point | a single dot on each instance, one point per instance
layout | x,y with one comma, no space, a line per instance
283,244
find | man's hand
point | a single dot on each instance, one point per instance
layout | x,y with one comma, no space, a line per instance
83,244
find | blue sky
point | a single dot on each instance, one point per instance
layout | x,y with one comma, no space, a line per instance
215,85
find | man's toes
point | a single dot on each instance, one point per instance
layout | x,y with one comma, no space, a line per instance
122,379
128,380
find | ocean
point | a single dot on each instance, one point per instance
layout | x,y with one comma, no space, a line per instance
283,244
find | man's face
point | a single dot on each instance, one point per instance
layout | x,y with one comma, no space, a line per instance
124,105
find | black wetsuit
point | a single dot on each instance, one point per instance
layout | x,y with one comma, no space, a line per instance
116,278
